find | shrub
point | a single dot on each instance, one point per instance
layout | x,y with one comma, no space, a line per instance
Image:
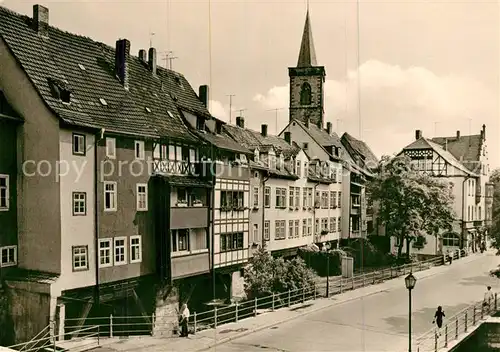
266,275
318,260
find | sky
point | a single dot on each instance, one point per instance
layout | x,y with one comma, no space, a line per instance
428,65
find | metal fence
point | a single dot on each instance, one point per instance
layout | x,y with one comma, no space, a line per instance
457,325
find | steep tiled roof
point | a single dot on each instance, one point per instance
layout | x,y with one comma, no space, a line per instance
86,68
466,149
424,143
222,141
359,147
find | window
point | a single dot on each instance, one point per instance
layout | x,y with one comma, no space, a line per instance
135,249
305,146
280,230
140,150
310,197
105,252
8,256
267,230
316,226
305,94
256,197
111,148
317,199
80,258
451,240
324,224
339,224
297,196
296,234
78,144
109,196
298,168
339,199
479,213
142,197
304,227
324,200
333,225
256,155
79,203
267,197
291,197
180,240
280,197
4,192
304,197
231,241
231,200
255,233
333,199
290,228
120,251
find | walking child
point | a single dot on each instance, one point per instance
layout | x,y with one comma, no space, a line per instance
438,318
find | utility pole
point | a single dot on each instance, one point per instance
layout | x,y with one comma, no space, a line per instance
230,106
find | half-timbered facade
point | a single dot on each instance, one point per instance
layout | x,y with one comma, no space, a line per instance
432,159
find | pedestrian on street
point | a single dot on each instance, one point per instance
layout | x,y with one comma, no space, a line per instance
438,318
184,319
488,297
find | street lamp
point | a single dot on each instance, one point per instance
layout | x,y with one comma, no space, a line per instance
410,282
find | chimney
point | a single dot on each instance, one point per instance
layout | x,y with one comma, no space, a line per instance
152,60
458,134
41,19
446,144
418,134
240,121
263,130
288,137
308,121
122,54
329,127
203,94
142,55
483,132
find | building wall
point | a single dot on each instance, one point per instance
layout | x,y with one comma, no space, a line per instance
346,203
255,215
38,197
77,175
126,221
229,178
299,136
8,166
315,110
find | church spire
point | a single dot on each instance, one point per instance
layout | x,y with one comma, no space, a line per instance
307,54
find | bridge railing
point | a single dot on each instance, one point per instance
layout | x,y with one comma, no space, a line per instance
457,325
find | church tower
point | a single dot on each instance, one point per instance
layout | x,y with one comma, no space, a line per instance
307,82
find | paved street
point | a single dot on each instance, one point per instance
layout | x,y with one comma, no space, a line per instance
378,322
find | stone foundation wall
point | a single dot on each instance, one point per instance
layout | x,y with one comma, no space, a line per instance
166,311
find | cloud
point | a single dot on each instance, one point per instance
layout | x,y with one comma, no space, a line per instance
394,101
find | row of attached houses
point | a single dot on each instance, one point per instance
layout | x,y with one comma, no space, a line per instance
121,194
462,161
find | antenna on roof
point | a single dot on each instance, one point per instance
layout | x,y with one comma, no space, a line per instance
151,35
230,105
276,117
168,57
241,111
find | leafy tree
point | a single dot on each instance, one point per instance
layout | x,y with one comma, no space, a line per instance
494,230
411,204
266,275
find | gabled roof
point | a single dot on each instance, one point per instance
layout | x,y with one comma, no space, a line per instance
86,68
466,149
424,143
361,150
307,53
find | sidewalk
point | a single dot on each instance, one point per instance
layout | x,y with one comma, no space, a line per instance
206,339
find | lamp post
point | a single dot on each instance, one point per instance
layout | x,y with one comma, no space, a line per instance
410,282
326,248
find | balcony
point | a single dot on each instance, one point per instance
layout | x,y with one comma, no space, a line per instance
188,217
190,263
355,210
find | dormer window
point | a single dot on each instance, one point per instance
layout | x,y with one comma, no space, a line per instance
272,161
60,90
218,127
256,156
200,123
281,162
